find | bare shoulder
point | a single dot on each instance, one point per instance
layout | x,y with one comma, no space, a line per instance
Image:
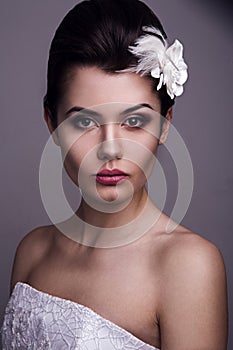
193,303
186,256
31,249
188,250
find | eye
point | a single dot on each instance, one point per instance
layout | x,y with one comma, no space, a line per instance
82,122
136,121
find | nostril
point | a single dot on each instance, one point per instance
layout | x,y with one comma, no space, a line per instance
109,150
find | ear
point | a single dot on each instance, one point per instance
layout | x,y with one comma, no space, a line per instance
48,120
166,126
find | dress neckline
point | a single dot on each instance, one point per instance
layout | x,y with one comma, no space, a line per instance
26,286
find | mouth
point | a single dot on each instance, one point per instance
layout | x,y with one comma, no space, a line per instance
111,177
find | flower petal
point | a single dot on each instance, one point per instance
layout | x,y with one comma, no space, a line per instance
175,51
182,77
179,90
160,82
162,62
170,93
155,73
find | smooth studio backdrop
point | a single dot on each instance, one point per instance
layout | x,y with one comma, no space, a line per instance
203,117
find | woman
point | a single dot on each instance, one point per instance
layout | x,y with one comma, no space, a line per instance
127,283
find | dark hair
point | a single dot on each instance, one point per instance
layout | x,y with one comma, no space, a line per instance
98,33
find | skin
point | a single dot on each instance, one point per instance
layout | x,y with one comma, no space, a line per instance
112,139
169,290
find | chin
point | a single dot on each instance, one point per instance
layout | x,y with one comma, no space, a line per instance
108,199
109,193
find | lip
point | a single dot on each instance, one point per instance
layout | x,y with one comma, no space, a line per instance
110,177
107,172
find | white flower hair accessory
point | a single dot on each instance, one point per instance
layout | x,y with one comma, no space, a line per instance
161,61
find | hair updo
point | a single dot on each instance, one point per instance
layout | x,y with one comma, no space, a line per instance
98,33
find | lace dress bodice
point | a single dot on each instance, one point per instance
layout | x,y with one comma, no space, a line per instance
35,320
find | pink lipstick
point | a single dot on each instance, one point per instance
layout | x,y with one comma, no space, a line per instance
110,177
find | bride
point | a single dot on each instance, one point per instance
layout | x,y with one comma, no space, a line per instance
112,276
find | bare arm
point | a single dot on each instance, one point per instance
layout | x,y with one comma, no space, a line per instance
193,314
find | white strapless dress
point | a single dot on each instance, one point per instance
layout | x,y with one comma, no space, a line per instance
35,320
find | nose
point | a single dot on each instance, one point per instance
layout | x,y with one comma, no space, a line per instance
110,148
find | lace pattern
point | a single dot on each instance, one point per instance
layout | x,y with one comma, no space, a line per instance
35,320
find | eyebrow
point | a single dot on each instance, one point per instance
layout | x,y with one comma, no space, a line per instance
135,108
93,113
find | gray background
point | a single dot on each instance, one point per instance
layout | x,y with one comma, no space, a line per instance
203,116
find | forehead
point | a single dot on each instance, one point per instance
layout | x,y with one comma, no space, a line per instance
89,86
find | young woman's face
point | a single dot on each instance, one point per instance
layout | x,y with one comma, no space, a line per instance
108,132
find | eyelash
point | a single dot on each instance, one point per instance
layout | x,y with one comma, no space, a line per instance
142,119
78,120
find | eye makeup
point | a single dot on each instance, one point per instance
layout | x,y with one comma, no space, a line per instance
134,121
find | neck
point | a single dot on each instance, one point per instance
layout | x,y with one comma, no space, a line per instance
118,218
99,229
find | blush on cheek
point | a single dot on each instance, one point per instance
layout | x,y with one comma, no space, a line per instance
72,167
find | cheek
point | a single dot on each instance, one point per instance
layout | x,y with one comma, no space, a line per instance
151,144
146,155
75,147
71,164
141,156
77,154
147,145
73,156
